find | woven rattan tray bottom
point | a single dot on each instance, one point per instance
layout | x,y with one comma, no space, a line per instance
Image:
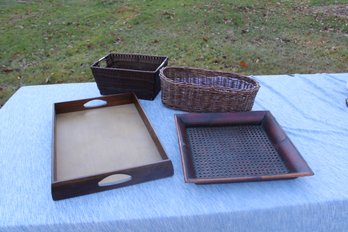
236,147
233,151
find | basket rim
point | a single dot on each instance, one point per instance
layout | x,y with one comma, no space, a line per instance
255,83
95,64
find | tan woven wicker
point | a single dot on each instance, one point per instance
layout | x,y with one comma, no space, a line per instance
201,90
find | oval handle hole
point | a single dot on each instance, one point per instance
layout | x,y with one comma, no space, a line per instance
95,103
114,179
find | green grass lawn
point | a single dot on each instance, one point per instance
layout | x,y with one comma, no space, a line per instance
47,42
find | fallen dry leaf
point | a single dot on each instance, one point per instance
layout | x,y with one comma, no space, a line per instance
243,64
47,80
6,69
167,14
118,40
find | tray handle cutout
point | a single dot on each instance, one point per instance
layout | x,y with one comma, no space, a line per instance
95,103
114,179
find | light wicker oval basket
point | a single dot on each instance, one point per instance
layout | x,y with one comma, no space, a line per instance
201,90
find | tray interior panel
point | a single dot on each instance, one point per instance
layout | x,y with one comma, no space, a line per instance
233,151
102,140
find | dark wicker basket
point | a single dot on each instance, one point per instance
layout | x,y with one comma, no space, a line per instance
200,90
122,73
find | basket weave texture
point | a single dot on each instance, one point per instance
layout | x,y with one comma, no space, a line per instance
201,90
122,73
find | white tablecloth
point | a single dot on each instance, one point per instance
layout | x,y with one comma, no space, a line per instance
310,108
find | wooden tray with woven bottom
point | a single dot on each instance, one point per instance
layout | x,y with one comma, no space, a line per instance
104,143
234,147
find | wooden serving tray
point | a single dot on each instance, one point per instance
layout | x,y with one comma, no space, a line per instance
104,143
233,147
